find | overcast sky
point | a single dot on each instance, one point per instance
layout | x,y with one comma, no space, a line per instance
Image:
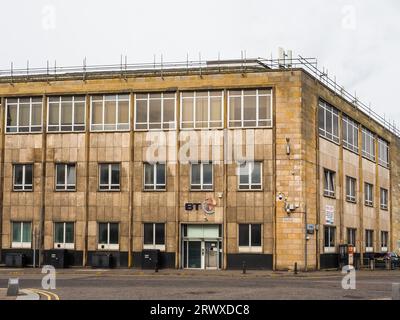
358,41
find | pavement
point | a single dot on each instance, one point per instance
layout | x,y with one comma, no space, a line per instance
172,284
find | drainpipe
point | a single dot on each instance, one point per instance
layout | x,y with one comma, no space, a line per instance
305,238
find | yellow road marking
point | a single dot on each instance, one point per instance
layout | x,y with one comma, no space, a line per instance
47,294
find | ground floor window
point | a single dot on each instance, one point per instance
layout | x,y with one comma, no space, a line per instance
108,237
329,239
64,235
369,240
21,234
351,236
384,241
154,236
250,238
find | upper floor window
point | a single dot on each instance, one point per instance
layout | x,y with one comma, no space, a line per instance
109,112
202,109
350,134
250,108
21,234
64,235
383,152
154,176
65,177
24,114
66,113
369,194
250,175
23,177
328,118
351,189
155,111
384,199
329,183
109,176
368,144
201,177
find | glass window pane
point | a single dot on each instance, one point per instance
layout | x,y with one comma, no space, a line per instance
110,112
169,110
66,113
97,112
161,173
71,174
235,108
155,111
215,109
148,233
160,233
12,116
141,111
115,174
53,114
195,173
244,173
103,231
187,109
104,174
79,110
201,111
69,232
256,235
60,174
123,112
148,174
26,232
18,174
249,108
24,114
28,173
114,233
264,107
207,173
243,235
16,236
59,232
37,114
256,173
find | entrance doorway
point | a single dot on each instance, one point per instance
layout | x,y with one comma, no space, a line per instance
201,247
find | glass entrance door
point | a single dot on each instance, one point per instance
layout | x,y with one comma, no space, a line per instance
211,254
194,254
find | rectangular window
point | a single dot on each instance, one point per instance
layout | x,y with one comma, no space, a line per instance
24,114
21,234
108,237
109,176
351,189
250,237
369,194
383,153
329,183
202,109
154,176
23,177
201,177
250,175
384,240
64,235
66,113
384,199
328,118
65,177
250,108
350,134
351,236
154,236
155,111
109,112
329,237
369,240
368,144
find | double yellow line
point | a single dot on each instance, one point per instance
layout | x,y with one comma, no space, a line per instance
49,295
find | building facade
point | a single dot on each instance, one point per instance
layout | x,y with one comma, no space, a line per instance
81,169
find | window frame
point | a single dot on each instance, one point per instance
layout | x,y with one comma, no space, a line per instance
194,110
269,122
250,248
64,244
351,183
153,186
384,241
162,123
368,142
21,244
108,245
384,205
18,126
109,185
383,145
251,186
368,194
64,187
369,240
75,127
154,245
202,185
352,129
331,182
352,236
24,185
119,126
323,132
330,246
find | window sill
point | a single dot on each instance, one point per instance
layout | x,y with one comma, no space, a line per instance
160,247
21,245
155,190
250,190
369,249
384,209
55,190
369,159
250,249
70,246
109,247
330,197
369,205
22,190
201,190
329,249
116,190
351,201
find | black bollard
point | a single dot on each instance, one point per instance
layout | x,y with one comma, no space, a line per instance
295,268
244,267
156,268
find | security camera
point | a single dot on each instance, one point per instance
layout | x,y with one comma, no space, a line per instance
280,196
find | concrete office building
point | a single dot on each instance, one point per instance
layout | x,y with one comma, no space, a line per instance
74,172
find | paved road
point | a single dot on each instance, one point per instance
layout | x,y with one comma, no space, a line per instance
178,285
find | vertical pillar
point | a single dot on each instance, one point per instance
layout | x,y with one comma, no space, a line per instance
225,181
377,198
2,141
131,178
360,195
176,182
341,183
87,157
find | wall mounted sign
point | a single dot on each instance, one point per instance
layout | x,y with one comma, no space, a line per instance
208,206
329,215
